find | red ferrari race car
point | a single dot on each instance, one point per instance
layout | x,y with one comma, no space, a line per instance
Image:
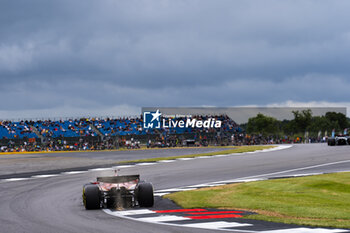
118,192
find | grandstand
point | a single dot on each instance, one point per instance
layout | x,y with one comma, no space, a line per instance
16,130
69,128
94,127
122,127
101,133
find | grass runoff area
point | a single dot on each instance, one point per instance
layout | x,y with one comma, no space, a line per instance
231,150
321,200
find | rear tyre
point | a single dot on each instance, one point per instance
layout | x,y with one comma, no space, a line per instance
342,142
91,197
331,142
145,196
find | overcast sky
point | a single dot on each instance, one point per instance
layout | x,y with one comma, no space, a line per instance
111,57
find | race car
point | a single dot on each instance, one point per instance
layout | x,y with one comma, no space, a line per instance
339,140
118,192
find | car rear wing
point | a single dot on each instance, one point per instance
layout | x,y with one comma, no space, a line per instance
118,179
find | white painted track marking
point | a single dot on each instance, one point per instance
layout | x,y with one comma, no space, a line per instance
281,147
135,212
201,185
45,176
145,164
176,190
296,169
163,218
100,169
238,181
160,194
217,225
307,174
74,172
123,166
166,161
15,179
306,230
218,156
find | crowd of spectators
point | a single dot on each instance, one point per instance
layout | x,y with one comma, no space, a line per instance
16,130
101,126
58,145
247,139
68,128
114,133
119,126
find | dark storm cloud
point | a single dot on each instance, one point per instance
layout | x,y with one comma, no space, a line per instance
100,54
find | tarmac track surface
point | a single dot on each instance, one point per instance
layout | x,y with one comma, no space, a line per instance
54,204
11,164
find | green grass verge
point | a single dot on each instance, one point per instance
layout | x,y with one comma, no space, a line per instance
322,200
237,149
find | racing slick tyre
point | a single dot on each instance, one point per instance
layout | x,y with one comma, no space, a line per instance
91,197
331,142
342,141
145,196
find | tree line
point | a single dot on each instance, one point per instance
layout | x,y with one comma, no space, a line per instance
303,122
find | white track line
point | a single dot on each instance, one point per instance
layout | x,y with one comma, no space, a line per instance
74,172
185,159
160,194
296,169
307,174
166,161
145,164
100,169
163,218
45,176
217,225
201,185
123,166
15,179
135,212
218,156
176,189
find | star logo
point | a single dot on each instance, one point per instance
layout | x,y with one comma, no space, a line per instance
156,115
151,120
